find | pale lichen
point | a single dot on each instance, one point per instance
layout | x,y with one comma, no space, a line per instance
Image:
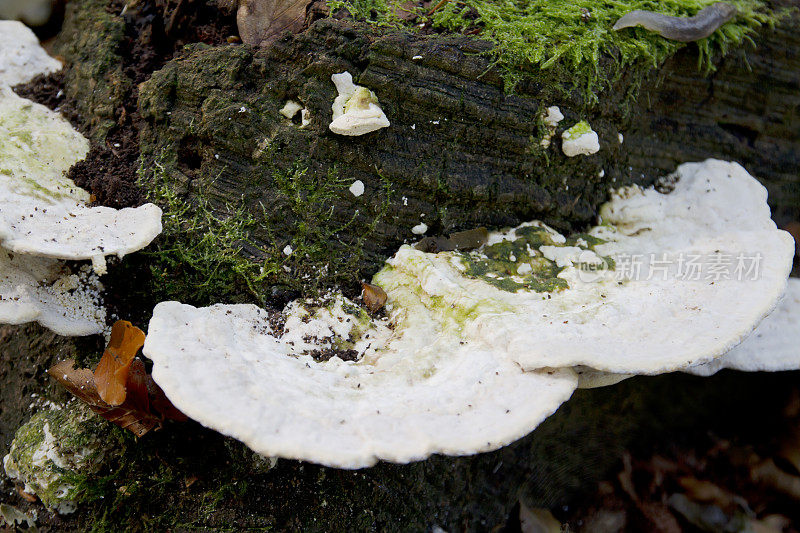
57,451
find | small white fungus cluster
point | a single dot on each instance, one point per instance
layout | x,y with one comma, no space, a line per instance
355,109
44,216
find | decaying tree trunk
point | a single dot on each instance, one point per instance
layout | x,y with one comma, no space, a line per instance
460,153
185,478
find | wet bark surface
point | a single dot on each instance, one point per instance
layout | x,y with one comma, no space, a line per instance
747,111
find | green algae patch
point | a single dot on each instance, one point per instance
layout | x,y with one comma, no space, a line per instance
37,147
573,39
516,264
581,128
58,454
409,294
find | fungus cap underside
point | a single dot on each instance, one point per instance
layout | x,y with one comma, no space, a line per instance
414,390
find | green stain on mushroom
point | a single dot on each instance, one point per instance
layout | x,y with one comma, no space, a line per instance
513,265
361,99
581,128
517,264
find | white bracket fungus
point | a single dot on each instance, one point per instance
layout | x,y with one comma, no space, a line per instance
621,298
411,389
290,110
553,117
420,229
355,109
480,345
551,120
357,188
42,289
44,216
21,57
41,211
772,347
580,139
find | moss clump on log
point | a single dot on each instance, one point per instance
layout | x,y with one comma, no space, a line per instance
90,43
60,453
565,41
459,154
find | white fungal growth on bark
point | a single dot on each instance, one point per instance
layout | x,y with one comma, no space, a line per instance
580,139
355,109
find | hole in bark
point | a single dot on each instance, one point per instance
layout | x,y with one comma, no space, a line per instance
745,134
189,158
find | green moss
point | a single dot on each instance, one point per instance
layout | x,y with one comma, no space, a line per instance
200,255
90,42
60,454
568,39
320,258
197,258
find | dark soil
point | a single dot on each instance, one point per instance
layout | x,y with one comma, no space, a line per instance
155,31
745,478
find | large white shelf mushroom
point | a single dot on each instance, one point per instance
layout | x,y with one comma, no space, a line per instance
552,302
43,215
772,347
414,390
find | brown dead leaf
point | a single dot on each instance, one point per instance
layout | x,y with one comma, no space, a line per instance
80,382
374,297
767,473
262,21
111,373
160,403
790,448
773,523
655,513
136,387
705,491
537,520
